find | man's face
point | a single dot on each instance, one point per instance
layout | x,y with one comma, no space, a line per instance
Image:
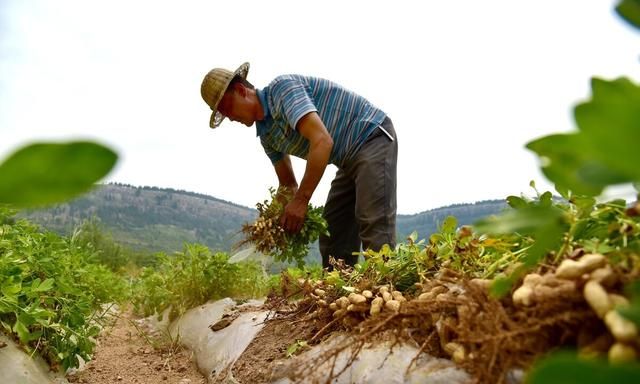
235,105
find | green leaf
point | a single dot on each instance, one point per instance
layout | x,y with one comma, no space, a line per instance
603,152
566,368
22,331
546,199
449,224
10,288
563,191
45,286
610,124
584,204
45,173
516,202
26,319
565,161
630,11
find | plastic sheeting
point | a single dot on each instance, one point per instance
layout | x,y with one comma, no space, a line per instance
216,352
375,364
17,367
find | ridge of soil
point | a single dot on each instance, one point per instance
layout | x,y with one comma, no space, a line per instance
255,364
129,352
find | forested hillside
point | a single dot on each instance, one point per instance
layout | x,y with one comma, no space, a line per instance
149,218
156,219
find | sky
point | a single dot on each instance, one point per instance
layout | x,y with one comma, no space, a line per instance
467,84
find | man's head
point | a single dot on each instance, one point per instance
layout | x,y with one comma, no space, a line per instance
227,94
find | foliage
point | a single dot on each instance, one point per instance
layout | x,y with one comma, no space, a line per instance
270,238
51,294
277,283
46,173
106,251
600,154
632,312
142,226
566,368
193,277
296,347
630,11
603,151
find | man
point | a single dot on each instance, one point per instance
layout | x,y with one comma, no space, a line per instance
322,122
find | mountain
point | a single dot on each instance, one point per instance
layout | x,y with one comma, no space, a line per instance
149,218
428,222
163,219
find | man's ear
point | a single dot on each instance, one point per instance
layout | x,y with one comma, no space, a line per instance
240,89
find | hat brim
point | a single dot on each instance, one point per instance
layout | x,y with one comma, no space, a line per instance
217,117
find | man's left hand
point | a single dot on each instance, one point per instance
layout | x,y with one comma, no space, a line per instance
293,216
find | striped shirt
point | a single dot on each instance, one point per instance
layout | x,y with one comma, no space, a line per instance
348,117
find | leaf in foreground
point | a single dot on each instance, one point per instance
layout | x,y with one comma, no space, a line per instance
566,368
604,150
46,173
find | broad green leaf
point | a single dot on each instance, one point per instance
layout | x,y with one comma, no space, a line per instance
610,124
546,199
566,368
603,152
45,173
547,238
22,331
45,286
516,202
566,162
11,288
35,283
26,319
584,204
449,224
563,191
630,11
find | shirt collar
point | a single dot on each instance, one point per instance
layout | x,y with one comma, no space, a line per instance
261,126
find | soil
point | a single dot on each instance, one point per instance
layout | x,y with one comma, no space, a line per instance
256,362
129,352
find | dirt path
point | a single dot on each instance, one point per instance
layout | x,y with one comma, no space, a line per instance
127,353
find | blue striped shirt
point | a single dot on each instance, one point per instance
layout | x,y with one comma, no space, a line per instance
348,117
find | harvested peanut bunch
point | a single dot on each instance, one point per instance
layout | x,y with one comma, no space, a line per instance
595,276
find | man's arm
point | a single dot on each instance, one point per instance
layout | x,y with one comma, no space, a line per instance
320,144
288,185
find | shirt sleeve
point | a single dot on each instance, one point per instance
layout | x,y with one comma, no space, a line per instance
291,99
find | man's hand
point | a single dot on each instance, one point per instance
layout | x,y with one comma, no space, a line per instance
294,214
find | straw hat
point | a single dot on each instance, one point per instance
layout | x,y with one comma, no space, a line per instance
214,85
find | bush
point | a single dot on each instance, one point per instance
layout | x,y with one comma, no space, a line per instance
193,277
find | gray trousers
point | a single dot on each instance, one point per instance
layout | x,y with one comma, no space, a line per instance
361,206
